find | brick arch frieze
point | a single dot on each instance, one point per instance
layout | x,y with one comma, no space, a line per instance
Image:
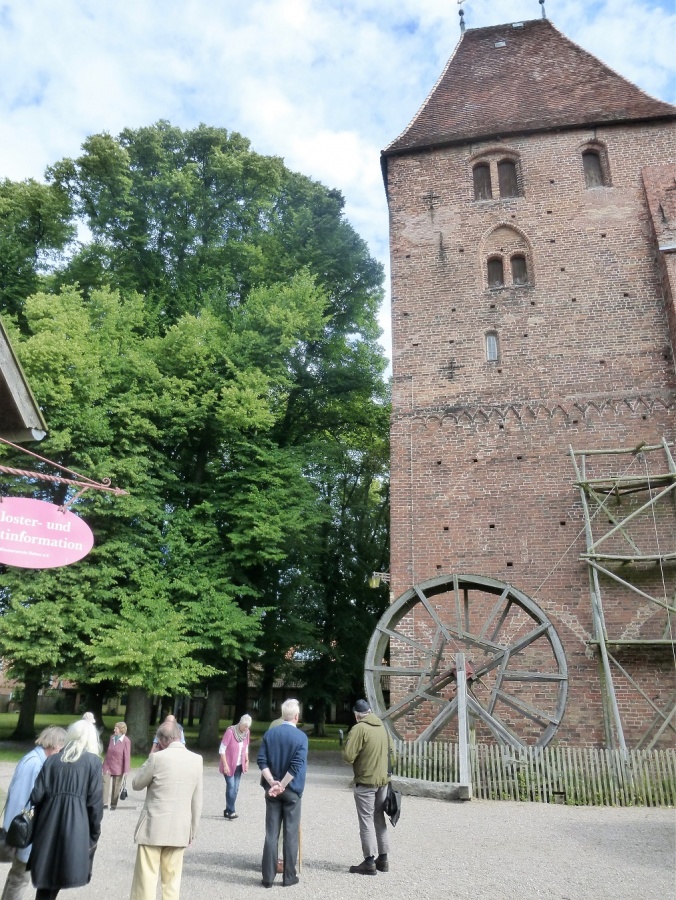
531,412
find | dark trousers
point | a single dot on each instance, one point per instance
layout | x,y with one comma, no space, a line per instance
283,808
46,894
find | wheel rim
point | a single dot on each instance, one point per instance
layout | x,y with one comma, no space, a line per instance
517,677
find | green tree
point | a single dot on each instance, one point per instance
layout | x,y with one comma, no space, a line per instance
221,363
35,225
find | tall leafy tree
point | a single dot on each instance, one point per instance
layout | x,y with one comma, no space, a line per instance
35,225
221,361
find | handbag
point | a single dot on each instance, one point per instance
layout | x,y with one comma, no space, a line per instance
392,804
123,793
6,852
20,831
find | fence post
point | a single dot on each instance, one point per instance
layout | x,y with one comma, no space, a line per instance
465,786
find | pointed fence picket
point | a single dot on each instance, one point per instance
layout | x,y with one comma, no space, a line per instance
586,776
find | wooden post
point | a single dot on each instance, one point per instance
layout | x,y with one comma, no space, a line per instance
465,792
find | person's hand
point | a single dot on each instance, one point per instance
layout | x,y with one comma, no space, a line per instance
275,789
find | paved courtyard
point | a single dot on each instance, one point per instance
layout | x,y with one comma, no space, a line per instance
460,851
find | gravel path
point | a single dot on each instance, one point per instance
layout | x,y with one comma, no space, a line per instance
479,849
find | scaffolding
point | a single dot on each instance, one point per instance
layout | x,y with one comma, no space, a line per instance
628,502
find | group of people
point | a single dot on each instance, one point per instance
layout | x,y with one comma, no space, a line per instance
282,760
62,779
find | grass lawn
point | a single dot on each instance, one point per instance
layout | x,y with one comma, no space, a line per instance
14,753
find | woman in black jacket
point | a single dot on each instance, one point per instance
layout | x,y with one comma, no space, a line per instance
68,800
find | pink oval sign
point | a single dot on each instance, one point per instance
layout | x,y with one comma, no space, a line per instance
39,535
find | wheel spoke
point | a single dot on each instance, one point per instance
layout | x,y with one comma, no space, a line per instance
529,638
434,615
499,729
390,670
494,612
437,724
530,712
407,640
533,676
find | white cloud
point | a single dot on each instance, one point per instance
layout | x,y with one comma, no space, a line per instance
323,83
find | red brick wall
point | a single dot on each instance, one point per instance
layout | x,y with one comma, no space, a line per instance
585,360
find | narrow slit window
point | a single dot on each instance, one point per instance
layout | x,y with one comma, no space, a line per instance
492,346
482,182
593,172
519,270
496,274
507,179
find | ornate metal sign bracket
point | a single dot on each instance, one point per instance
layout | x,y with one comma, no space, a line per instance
81,481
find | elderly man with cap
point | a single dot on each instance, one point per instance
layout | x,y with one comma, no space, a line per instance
367,750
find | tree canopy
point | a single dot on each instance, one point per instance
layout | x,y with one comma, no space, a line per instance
212,348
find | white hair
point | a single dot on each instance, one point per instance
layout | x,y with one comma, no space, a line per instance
81,737
246,720
290,708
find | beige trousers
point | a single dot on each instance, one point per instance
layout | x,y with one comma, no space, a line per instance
151,862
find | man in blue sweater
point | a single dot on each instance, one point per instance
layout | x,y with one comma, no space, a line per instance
282,760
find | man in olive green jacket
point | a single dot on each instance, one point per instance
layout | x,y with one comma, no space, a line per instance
366,749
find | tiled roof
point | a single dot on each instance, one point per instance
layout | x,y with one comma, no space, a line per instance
520,78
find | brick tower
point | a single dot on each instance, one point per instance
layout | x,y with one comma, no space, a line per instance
532,210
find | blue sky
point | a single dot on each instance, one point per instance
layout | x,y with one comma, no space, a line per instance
326,84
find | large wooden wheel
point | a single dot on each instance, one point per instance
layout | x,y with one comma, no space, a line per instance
517,677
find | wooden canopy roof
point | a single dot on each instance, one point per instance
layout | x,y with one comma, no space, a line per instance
20,417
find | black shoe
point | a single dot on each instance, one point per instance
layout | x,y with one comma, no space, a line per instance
382,864
266,883
291,881
364,868
226,814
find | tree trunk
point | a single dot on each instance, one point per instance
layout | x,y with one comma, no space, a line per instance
137,718
265,710
241,690
94,704
319,718
25,727
209,731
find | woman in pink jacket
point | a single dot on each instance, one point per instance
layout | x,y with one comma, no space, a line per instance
234,753
116,764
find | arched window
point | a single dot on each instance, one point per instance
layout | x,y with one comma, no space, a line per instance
519,269
482,182
492,346
507,179
593,170
496,274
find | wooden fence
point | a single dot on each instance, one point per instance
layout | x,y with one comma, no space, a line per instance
573,775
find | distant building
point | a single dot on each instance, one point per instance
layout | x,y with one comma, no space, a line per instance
532,210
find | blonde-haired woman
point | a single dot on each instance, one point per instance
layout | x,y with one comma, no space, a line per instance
68,801
234,753
116,764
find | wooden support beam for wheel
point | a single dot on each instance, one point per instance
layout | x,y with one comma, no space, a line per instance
465,789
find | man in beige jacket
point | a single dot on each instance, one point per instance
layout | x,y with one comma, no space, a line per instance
169,817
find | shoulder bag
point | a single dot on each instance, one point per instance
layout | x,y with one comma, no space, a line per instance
20,831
